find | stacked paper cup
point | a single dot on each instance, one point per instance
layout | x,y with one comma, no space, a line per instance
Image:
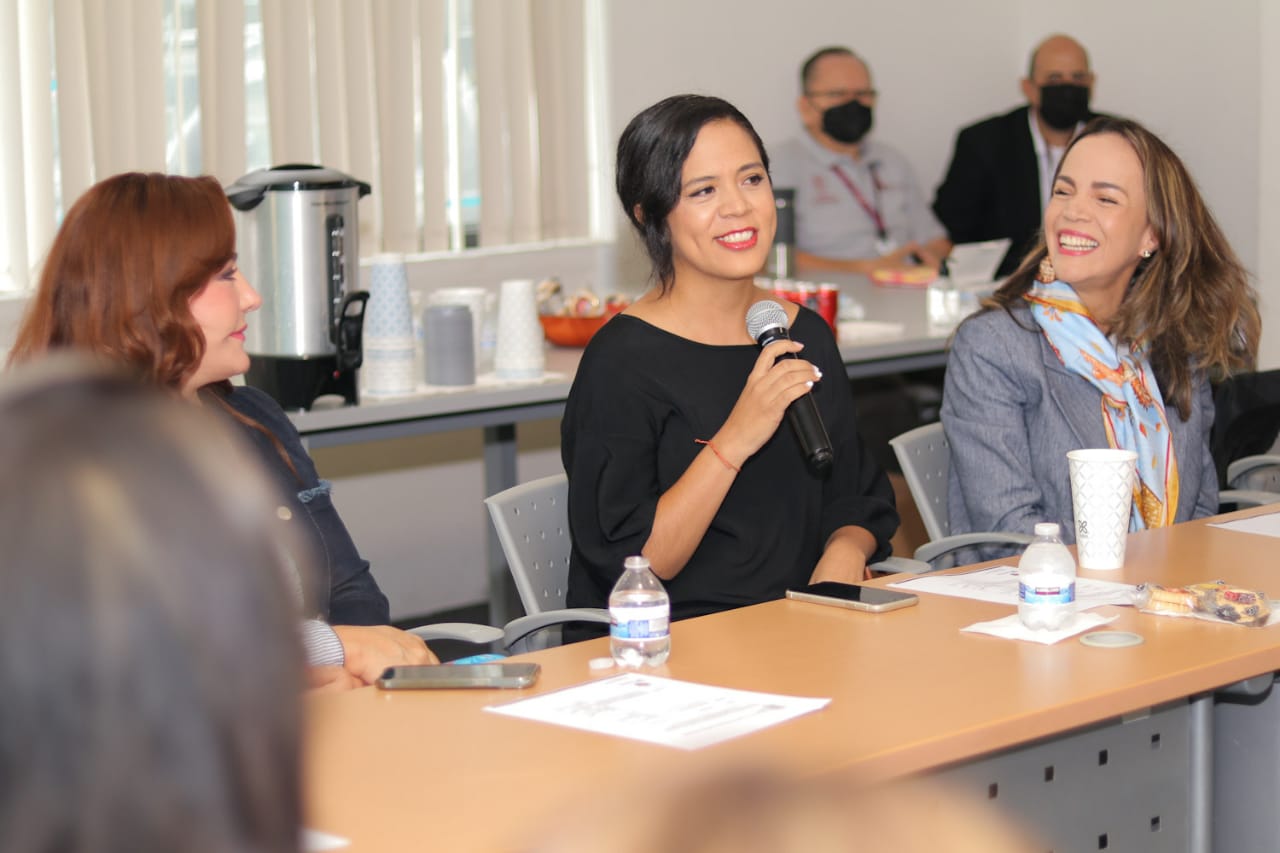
519,353
390,367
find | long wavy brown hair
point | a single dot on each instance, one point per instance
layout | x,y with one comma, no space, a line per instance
1191,302
119,278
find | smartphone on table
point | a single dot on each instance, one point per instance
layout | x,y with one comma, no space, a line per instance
872,599
427,677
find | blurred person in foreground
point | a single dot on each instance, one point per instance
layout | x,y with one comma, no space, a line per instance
143,271
673,435
761,809
1107,335
149,659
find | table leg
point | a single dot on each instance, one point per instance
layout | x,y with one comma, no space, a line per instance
1200,807
499,474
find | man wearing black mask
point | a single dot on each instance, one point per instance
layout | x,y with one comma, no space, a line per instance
858,204
1002,169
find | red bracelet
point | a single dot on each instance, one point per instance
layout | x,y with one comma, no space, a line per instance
734,468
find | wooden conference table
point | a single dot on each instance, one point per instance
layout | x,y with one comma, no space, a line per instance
910,694
499,408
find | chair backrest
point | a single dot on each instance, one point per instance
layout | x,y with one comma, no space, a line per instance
925,458
1246,419
532,522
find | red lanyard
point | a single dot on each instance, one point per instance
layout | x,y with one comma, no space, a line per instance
872,210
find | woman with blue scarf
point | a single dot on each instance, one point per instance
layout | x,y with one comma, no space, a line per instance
1106,336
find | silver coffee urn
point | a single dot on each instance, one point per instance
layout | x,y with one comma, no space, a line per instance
298,236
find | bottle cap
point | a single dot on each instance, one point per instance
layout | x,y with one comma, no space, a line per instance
636,562
1046,528
598,664
1111,639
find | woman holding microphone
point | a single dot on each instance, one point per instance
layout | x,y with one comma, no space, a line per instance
672,436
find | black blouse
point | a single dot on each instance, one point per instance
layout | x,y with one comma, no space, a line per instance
640,398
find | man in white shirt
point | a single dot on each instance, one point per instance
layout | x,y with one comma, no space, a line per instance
1002,170
858,204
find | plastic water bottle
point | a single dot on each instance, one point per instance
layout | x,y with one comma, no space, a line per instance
1046,581
640,617
943,301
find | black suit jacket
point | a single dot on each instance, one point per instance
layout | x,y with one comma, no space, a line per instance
992,188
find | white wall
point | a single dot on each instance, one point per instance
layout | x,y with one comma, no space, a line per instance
1266,100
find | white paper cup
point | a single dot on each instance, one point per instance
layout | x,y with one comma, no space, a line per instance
1102,498
390,367
520,352
389,313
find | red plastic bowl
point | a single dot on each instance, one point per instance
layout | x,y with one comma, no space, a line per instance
570,331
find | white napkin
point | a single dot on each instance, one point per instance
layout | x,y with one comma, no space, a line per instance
1011,628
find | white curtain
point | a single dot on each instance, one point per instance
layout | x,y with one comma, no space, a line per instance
508,123
13,192
124,53
220,29
108,60
370,88
394,35
560,50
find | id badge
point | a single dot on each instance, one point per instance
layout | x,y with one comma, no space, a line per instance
885,246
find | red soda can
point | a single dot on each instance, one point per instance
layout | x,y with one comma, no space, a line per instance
829,303
805,294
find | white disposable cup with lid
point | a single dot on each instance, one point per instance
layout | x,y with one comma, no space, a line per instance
1102,481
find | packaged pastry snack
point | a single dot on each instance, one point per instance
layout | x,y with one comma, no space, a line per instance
1215,601
910,277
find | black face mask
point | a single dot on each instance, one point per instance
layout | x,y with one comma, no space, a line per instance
1064,105
847,123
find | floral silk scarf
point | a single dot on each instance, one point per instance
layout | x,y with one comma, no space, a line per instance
1132,407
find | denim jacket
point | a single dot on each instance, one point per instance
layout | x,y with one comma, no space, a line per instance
345,591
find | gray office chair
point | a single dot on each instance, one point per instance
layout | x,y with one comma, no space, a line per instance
532,523
468,632
1252,481
925,458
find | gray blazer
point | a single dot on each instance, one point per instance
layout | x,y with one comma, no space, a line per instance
1011,412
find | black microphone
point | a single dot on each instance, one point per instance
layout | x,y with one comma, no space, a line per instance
766,323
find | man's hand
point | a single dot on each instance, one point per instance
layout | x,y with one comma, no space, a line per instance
934,252
368,650
902,258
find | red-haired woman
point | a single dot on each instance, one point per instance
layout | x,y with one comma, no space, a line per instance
143,271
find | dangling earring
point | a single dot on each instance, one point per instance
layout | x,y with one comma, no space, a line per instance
1047,274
